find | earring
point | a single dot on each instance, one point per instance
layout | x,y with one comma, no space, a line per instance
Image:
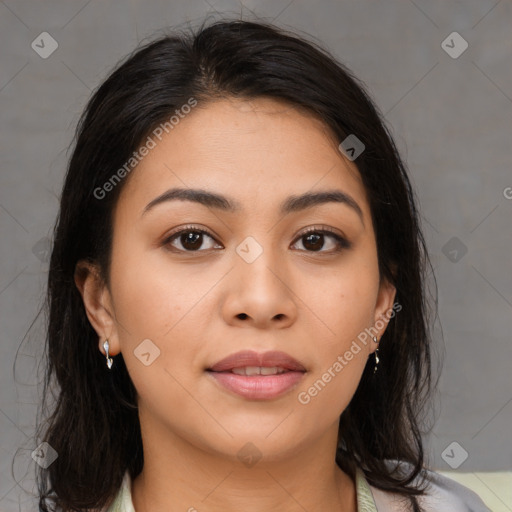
376,355
109,359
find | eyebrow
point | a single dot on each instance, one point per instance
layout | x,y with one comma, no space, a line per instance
289,205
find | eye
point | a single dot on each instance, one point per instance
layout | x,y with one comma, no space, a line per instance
315,239
190,239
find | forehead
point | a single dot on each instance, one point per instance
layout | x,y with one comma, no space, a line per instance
257,150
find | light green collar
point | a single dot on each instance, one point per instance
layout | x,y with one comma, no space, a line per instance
365,501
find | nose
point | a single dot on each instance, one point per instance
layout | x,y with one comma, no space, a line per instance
260,294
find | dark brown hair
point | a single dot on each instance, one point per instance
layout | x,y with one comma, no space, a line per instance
94,424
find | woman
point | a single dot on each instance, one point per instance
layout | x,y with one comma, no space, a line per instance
237,313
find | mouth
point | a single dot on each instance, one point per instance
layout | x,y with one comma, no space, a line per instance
257,370
256,362
257,376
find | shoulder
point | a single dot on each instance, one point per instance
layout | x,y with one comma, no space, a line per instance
442,494
447,494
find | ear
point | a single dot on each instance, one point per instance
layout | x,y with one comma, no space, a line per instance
98,305
384,309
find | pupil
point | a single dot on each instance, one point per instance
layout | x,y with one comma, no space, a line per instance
190,240
315,238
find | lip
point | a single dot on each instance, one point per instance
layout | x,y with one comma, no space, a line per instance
258,387
251,358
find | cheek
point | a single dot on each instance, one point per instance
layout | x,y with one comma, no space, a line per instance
150,295
329,388
339,305
344,304
157,312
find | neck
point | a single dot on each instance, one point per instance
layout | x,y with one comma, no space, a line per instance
179,475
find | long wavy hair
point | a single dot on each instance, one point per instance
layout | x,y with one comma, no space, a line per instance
93,421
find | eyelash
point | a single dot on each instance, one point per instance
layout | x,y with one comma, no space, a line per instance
342,243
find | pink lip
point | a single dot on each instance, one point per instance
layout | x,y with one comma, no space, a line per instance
251,358
258,387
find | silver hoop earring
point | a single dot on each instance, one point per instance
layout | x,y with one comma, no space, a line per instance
376,355
109,359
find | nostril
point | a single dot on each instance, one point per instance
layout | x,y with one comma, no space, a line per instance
242,316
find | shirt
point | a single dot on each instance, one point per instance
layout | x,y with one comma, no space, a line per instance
444,495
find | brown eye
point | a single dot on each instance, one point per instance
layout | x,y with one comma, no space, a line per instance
189,240
315,240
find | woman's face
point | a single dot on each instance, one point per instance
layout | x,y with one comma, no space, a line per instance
256,281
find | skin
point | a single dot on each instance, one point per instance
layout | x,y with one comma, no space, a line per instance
198,307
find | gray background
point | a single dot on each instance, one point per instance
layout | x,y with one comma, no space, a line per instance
451,118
